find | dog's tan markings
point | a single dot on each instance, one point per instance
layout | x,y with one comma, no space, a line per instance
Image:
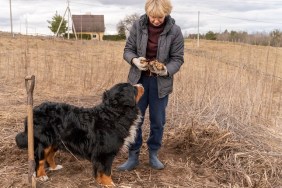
104,179
47,151
140,92
41,170
50,158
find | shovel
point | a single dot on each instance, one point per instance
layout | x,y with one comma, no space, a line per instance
29,84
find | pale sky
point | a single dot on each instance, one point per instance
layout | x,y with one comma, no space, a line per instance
215,15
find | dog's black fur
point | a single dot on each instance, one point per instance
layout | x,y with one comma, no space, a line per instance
96,134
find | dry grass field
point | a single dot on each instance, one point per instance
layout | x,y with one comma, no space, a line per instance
224,118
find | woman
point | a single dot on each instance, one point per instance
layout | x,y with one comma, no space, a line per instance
154,36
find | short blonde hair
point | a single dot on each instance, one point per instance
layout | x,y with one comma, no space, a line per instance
158,8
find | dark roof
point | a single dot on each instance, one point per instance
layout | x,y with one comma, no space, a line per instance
89,23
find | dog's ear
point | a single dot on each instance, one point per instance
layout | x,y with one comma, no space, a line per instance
130,101
120,95
109,99
105,96
128,97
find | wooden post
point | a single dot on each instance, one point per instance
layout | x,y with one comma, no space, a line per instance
31,163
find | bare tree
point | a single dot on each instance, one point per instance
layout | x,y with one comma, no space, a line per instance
276,38
121,28
124,26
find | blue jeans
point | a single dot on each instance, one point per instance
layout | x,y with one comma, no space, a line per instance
157,114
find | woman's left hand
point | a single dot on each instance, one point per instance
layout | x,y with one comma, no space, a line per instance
160,72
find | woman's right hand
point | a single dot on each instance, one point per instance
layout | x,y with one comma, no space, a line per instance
138,64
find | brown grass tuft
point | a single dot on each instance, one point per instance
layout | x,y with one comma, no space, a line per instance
219,156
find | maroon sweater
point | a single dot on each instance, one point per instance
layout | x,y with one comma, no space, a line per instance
153,37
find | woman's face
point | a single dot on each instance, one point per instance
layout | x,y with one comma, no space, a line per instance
156,21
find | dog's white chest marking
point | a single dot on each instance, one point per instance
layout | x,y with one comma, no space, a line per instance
132,134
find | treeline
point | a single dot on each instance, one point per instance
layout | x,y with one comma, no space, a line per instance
88,37
274,38
114,37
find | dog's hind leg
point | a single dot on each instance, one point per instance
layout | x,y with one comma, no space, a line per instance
40,163
50,158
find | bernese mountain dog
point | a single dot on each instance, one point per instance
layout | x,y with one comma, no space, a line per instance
96,134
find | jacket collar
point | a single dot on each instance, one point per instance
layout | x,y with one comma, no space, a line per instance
144,23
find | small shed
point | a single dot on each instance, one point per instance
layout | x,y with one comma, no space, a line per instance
89,24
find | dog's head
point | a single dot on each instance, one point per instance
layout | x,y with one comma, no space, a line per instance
123,94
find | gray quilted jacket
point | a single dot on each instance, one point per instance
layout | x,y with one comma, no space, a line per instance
170,51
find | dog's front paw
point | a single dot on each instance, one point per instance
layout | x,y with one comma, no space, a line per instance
105,180
107,184
42,178
58,167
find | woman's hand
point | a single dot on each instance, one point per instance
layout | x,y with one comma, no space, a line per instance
138,63
162,72
158,68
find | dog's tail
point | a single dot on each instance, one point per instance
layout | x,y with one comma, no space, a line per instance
21,140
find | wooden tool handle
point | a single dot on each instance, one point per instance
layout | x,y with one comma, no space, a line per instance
31,163
29,88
